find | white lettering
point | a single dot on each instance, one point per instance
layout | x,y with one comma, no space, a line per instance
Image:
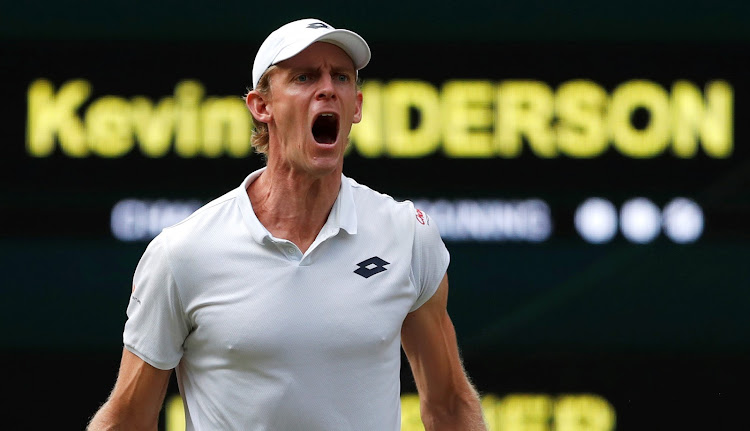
490,220
141,220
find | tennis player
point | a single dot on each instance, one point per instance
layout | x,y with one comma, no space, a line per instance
283,305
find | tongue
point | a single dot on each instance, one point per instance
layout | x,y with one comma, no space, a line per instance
324,138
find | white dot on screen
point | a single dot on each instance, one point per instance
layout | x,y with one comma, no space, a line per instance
683,220
640,220
596,220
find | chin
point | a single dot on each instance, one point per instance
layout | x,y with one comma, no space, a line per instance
326,164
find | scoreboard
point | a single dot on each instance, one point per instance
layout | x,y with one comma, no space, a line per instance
542,128
594,197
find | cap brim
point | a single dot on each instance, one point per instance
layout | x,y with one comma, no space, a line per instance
350,42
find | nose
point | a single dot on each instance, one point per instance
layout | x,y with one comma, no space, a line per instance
326,90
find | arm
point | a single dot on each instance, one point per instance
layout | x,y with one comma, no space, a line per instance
137,398
448,401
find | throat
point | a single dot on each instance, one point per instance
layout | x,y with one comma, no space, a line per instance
291,208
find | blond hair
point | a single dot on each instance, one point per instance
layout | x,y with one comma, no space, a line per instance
259,138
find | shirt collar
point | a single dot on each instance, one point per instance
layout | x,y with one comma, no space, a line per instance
346,211
343,213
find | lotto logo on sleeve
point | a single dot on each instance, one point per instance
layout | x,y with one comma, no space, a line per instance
422,218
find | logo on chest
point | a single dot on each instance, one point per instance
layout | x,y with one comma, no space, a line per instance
369,267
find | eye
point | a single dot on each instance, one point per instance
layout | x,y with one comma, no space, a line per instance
302,78
343,77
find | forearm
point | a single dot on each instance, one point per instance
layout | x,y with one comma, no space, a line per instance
106,419
109,418
103,420
136,400
463,412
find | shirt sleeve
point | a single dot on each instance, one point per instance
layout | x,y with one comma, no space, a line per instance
430,258
156,327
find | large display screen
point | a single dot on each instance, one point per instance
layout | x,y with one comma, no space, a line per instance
594,198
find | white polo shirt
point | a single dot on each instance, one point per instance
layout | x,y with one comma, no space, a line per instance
264,337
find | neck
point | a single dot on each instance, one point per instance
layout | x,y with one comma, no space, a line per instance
294,205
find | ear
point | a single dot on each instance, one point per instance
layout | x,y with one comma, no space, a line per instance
358,108
258,106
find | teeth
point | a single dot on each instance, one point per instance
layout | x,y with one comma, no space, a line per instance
326,115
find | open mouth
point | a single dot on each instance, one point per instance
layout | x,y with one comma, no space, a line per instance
326,128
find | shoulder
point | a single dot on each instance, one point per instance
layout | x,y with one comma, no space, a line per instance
204,223
404,210
210,210
369,201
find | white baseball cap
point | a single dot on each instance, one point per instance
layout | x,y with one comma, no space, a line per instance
290,39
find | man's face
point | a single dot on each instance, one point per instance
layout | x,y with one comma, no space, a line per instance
312,104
